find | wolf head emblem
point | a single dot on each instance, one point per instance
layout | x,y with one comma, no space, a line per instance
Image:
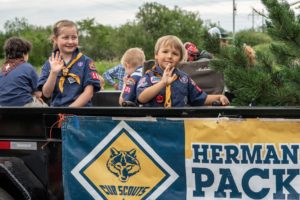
123,164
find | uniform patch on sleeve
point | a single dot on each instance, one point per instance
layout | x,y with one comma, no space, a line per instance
127,89
130,81
196,86
142,82
183,79
154,79
95,75
92,65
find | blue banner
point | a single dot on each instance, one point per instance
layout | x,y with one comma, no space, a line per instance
119,159
170,159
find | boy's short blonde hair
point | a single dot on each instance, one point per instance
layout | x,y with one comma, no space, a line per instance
134,57
170,40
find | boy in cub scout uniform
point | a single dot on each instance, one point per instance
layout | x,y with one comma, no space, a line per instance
133,60
166,86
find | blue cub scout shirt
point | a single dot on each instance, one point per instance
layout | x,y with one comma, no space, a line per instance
184,90
84,68
17,87
129,93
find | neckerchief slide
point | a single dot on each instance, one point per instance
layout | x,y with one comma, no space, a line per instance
65,73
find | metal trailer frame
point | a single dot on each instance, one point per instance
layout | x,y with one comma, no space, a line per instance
37,174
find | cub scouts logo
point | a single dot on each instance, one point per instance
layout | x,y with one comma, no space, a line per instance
80,64
123,164
124,167
183,79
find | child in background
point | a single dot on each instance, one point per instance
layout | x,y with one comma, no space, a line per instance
166,86
68,77
116,72
18,79
133,61
193,54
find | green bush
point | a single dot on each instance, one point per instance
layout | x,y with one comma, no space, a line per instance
251,38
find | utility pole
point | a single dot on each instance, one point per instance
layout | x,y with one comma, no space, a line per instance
263,21
252,17
233,19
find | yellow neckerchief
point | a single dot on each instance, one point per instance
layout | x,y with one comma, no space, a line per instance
168,100
65,73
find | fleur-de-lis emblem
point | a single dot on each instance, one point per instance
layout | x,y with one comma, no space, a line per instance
7,67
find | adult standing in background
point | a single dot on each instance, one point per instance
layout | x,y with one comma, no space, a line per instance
222,35
114,76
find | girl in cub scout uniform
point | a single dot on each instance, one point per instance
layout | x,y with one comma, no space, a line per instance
166,86
68,77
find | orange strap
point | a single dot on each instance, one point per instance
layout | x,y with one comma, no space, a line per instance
65,73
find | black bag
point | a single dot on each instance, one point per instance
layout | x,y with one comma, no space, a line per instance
209,80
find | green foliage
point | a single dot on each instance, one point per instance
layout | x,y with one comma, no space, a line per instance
283,26
157,20
250,84
2,40
104,65
211,43
251,38
41,45
95,39
109,43
132,35
38,36
274,79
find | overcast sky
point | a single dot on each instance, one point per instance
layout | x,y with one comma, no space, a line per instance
117,12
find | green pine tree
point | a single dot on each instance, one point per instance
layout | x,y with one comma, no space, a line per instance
274,79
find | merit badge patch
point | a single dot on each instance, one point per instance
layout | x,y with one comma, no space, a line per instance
130,81
142,82
80,64
121,167
183,79
127,89
154,79
92,65
95,75
196,86
159,99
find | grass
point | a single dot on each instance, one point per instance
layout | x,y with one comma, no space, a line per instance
104,65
